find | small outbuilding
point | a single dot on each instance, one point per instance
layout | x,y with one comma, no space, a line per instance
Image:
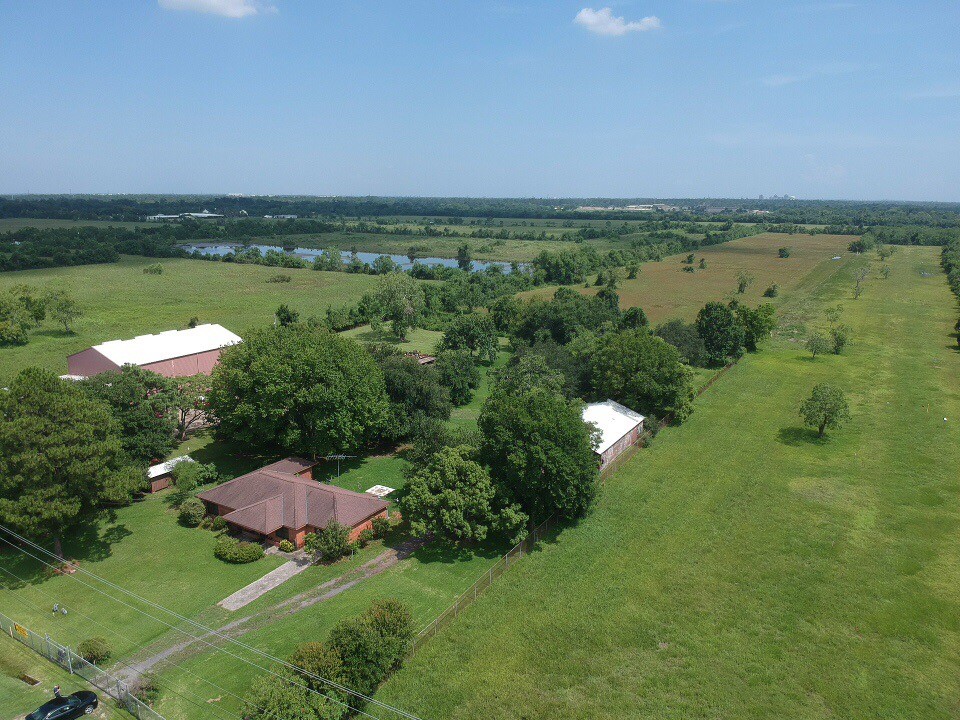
161,474
281,502
619,426
175,353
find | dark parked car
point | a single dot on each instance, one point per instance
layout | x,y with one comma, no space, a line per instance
66,708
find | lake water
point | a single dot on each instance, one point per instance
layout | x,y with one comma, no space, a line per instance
309,254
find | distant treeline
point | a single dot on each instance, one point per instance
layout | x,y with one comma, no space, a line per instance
950,260
775,211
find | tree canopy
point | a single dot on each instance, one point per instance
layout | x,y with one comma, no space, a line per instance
299,389
642,372
400,299
473,333
722,333
825,409
60,456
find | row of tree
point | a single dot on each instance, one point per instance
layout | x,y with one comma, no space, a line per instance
24,308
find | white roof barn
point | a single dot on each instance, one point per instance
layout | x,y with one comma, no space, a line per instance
174,353
619,426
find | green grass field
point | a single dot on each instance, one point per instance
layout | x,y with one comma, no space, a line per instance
741,568
120,301
12,224
665,291
17,698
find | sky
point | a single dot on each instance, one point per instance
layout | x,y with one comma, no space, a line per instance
493,98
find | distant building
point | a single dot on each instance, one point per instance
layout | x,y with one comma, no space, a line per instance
175,353
281,217
282,502
205,215
620,428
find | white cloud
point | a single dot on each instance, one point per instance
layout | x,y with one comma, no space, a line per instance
225,8
603,22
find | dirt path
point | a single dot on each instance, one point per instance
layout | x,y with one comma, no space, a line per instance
153,656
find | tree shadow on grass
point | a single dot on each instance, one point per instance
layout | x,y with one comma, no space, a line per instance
796,436
91,542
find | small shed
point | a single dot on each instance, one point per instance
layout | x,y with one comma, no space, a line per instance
161,474
619,426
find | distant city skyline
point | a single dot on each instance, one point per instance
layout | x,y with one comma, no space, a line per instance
640,99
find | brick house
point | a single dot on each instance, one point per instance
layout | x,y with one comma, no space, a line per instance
282,502
619,426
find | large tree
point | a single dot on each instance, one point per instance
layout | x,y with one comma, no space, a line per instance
399,298
415,392
825,409
450,498
474,333
757,322
298,389
643,372
142,403
539,451
722,333
60,456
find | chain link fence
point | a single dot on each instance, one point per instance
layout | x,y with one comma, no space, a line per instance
76,665
483,582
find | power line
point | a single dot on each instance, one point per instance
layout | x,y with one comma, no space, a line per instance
167,661
193,637
39,609
77,569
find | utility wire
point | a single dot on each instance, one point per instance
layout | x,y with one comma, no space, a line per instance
40,609
167,661
194,637
209,631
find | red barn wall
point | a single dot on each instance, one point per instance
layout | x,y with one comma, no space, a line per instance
199,364
89,363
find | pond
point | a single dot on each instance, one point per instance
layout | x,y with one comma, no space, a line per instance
309,254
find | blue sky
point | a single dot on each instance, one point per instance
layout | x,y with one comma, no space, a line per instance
665,98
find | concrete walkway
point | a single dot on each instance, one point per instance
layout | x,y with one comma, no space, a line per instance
246,595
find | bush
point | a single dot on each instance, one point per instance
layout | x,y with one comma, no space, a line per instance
153,269
279,278
840,337
96,650
192,512
218,524
364,538
784,252
189,475
381,526
287,546
234,551
331,543
146,689
772,291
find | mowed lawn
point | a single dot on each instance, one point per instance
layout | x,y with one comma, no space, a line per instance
120,301
17,698
739,567
144,550
665,291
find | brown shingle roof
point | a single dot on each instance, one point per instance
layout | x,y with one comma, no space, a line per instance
265,500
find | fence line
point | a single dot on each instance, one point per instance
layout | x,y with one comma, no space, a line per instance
76,665
470,595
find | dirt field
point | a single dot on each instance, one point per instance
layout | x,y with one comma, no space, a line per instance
665,291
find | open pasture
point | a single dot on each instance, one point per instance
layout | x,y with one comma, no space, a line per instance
740,566
665,291
120,301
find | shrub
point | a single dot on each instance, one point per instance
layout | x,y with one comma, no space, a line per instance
331,543
192,512
95,650
772,291
189,475
364,538
234,551
287,546
381,526
688,268
218,524
279,278
839,336
153,269
784,252
146,689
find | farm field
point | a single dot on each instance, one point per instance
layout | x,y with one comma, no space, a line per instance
11,224
740,567
665,292
120,301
